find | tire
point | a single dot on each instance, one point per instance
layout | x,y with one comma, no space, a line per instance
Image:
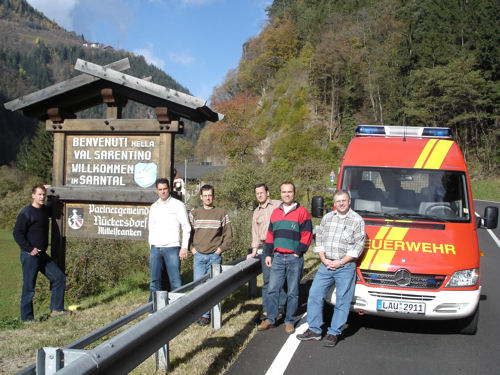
468,326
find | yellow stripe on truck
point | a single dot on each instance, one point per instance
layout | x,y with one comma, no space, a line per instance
425,153
438,154
367,260
381,233
380,259
397,234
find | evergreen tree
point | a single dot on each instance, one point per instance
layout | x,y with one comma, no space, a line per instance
484,34
35,154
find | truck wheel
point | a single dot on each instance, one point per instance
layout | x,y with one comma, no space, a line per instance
468,326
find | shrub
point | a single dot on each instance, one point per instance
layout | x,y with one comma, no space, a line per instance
241,225
7,184
11,204
93,265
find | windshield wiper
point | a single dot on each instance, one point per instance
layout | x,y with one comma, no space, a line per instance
413,215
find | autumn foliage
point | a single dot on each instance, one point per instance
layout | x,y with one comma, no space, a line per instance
318,68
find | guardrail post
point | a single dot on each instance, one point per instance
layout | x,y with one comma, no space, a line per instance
160,300
48,360
216,314
252,284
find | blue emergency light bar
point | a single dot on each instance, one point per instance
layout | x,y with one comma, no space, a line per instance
402,131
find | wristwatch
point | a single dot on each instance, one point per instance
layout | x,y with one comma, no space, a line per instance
341,263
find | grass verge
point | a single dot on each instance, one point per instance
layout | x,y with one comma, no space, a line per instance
487,189
10,277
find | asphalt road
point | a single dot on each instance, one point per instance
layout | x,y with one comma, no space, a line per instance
376,346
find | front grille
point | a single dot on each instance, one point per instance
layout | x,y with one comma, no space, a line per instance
417,281
401,296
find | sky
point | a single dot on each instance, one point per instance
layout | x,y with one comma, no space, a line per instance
196,42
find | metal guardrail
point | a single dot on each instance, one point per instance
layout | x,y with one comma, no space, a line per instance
113,326
131,347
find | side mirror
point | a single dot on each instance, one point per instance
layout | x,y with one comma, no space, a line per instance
490,220
317,206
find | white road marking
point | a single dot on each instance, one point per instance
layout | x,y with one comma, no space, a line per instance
286,353
495,238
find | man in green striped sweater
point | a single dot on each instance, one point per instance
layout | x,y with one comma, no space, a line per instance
288,237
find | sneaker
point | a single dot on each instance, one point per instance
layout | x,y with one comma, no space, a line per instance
309,335
263,316
289,328
266,324
203,321
331,341
60,312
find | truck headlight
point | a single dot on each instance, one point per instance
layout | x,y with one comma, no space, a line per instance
463,278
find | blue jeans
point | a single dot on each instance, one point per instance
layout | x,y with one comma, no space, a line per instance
284,267
344,279
266,271
170,257
31,265
201,266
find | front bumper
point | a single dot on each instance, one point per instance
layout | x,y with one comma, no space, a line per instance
442,305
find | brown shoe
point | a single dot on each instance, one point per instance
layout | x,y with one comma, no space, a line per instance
266,324
331,340
289,328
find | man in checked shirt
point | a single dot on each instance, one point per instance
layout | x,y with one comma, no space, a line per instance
340,241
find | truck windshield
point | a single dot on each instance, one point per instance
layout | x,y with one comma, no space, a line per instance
416,194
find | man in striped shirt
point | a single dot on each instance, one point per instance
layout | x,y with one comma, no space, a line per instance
288,237
211,235
340,240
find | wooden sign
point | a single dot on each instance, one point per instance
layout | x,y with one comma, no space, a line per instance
112,160
114,221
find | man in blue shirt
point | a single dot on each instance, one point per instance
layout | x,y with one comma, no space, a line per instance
31,233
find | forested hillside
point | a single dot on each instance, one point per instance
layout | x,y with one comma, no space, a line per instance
320,67
35,53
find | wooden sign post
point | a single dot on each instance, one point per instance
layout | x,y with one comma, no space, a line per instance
104,170
104,179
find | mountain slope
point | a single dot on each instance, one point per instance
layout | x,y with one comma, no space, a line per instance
35,53
320,67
